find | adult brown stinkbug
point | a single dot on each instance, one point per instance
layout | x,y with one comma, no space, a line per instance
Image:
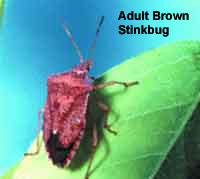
64,113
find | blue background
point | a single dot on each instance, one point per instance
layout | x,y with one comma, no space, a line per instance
33,45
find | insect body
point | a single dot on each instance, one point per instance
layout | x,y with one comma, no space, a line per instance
64,114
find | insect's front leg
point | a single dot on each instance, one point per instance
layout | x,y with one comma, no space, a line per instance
94,145
38,137
111,83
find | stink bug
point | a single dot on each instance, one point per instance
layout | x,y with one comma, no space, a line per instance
64,113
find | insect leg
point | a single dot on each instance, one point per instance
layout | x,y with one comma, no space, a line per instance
38,137
106,111
111,83
94,145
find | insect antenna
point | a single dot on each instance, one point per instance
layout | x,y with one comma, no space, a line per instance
66,29
93,46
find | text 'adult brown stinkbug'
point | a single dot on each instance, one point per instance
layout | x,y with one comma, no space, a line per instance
64,114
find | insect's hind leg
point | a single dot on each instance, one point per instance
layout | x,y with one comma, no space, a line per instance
38,137
111,83
94,145
106,111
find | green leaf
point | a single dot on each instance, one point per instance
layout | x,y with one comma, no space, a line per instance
150,119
